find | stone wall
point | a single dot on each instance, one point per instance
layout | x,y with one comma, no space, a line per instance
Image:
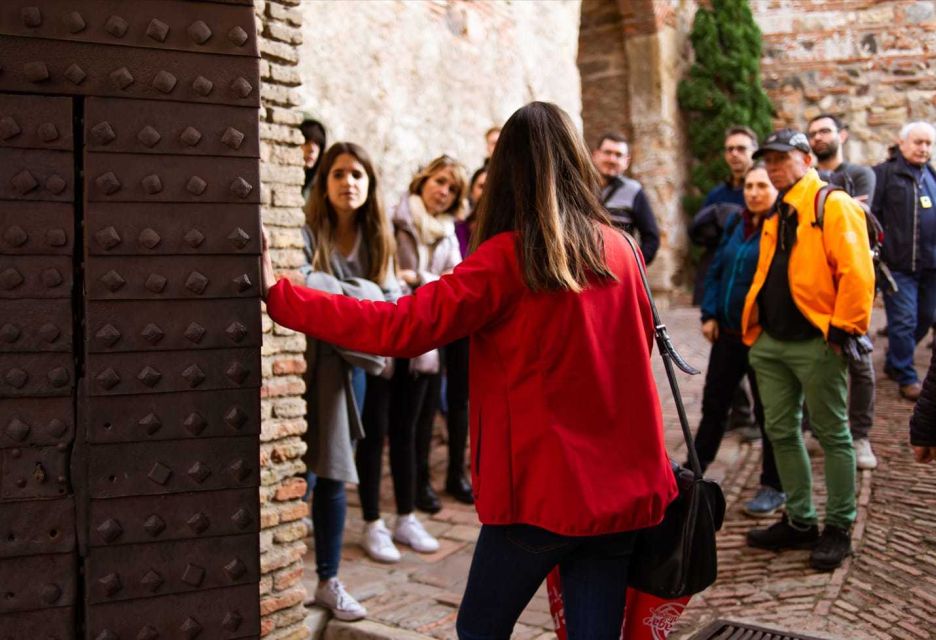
413,80
283,409
632,54
602,63
871,62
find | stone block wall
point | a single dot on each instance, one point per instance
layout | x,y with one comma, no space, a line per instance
631,56
283,408
412,80
871,62
602,63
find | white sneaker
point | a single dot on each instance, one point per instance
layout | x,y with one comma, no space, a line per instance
378,544
332,595
864,456
410,532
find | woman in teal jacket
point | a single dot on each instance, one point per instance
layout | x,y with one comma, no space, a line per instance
726,285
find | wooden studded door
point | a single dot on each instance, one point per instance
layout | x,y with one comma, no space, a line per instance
129,320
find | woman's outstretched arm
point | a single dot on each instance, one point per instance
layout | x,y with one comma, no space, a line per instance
459,304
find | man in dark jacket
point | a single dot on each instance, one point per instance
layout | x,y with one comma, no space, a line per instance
923,421
625,198
905,203
827,138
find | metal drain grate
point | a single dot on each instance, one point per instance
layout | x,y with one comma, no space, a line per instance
729,630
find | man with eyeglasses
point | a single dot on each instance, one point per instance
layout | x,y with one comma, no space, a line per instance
623,197
740,145
706,231
827,137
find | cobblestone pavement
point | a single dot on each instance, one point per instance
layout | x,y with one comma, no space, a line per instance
886,590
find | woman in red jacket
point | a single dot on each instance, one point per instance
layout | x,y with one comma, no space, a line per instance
568,459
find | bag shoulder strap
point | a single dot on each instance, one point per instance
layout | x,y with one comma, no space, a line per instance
670,355
819,204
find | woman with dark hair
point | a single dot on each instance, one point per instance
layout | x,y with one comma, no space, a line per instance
456,365
349,251
313,143
568,459
727,281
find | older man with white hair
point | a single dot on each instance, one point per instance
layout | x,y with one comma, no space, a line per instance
905,203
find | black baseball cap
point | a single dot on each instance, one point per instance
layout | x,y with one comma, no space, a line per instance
784,140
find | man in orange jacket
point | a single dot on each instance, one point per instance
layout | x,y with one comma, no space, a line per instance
811,294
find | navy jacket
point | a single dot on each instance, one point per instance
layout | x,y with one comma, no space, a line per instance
895,204
730,275
923,421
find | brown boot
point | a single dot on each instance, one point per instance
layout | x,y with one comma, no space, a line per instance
910,391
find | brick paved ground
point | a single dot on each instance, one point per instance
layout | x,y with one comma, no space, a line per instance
887,590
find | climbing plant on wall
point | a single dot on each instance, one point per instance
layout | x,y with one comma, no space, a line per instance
722,88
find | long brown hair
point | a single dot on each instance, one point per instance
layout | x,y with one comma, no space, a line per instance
541,183
461,181
323,221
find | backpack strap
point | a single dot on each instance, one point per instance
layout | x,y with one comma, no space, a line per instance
733,220
819,204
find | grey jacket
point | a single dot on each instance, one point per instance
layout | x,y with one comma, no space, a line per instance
334,422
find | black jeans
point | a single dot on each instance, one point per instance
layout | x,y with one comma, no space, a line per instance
728,364
391,408
424,423
510,563
455,357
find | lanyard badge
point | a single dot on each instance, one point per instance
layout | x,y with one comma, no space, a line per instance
925,202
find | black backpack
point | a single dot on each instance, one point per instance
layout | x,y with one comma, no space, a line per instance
874,229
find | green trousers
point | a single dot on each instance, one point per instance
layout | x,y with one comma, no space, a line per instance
788,372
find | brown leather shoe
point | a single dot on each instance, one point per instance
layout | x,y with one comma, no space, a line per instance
910,391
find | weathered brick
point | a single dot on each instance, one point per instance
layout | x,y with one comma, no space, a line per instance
287,577
288,366
282,600
291,489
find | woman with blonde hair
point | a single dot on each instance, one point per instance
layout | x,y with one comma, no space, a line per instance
425,222
349,249
568,459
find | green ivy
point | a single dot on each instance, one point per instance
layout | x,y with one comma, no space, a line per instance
722,88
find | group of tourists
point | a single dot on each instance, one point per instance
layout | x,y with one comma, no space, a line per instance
523,258
799,241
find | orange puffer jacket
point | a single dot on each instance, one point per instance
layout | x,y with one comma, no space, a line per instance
831,272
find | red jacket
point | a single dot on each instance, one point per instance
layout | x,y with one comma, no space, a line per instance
566,428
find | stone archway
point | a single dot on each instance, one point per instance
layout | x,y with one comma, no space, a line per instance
631,55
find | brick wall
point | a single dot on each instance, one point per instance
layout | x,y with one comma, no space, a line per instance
602,63
281,590
631,56
871,62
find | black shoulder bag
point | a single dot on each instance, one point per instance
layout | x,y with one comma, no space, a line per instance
678,557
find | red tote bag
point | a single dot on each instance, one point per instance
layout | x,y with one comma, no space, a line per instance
646,617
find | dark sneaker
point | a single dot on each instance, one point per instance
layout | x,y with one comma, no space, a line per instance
427,500
785,534
833,547
911,391
766,503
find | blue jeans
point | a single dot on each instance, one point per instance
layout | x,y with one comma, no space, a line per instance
510,563
330,503
910,314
